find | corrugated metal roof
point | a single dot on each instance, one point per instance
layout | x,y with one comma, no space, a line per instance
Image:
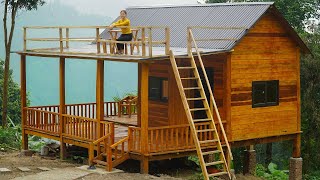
178,18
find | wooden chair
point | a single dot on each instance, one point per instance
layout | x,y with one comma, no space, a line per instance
128,106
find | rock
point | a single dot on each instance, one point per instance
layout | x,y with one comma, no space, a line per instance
27,153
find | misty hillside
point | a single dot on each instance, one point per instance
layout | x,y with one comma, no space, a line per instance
42,73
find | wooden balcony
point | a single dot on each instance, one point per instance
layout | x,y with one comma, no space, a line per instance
79,127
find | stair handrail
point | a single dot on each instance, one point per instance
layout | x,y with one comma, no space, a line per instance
97,142
190,40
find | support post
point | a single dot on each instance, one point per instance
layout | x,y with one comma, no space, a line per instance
23,93
67,38
250,161
61,40
189,41
143,39
150,42
62,105
99,99
167,50
24,39
98,41
144,110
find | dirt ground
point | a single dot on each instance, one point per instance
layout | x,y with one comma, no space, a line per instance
14,160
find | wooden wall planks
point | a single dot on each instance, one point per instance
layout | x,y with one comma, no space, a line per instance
264,54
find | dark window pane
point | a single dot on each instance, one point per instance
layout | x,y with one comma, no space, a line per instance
154,88
272,92
259,95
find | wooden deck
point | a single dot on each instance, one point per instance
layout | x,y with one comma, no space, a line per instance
123,120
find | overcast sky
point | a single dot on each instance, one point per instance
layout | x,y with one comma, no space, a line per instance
112,7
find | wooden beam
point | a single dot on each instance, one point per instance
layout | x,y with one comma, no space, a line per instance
297,147
24,39
144,110
143,39
139,97
23,93
167,50
144,165
297,141
227,98
62,104
99,99
67,37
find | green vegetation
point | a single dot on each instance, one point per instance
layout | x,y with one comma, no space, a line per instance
271,173
14,103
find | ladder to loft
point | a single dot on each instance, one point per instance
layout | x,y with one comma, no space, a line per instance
207,140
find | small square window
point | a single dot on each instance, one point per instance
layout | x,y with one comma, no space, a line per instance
158,89
265,93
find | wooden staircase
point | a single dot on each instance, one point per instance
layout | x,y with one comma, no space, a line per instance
109,154
208,137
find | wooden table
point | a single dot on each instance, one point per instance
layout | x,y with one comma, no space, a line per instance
114,35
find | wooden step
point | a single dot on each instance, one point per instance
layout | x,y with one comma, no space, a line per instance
211,152
100,162
201,120
189,78
217,174
198,109
192,88
205,130
185,67
195,99
208,141
214,163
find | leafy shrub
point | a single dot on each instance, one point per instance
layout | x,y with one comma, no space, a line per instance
271,173
10,137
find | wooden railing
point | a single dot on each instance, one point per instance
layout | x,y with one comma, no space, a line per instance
119,151
64,36
44,121
84,109
175,138
86,129
134,134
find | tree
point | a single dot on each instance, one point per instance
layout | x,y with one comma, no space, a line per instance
14,104
11,7
310,106
297,12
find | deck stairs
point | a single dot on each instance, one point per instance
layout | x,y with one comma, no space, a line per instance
109,154
188,81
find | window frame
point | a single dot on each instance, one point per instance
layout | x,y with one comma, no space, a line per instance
160,98
266,84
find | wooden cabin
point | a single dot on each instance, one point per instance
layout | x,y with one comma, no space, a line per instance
210,77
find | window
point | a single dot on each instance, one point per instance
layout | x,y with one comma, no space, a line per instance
265,93
158,89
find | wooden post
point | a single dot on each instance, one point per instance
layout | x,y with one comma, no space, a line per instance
24,39
61,40
98,40
139,97
144,110
297,147
297,142
62,105
23,93
99,99
227,98
143,39
189,41
67,37
167,50
150,42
